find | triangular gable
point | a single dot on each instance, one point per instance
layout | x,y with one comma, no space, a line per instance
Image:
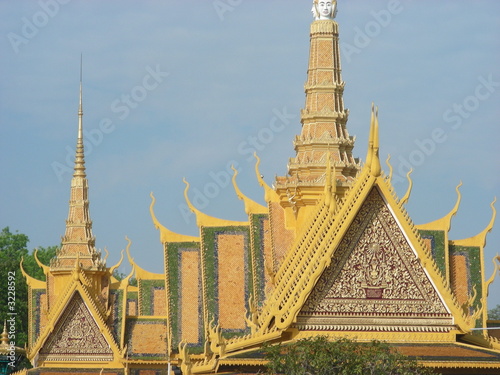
315,248
62,325
375,281
76,336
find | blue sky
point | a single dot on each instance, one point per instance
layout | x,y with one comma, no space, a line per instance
176,89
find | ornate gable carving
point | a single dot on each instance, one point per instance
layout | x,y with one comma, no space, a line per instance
76,336
375,281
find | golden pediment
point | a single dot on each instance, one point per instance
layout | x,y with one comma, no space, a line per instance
76,335
375,276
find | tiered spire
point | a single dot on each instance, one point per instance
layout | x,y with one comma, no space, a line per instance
78,243
80,159
324,134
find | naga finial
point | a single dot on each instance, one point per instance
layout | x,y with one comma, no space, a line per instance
324,10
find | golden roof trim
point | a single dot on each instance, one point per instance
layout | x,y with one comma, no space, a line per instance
269,194
204,220
46,269
496,269
166,235
251,207
444,223
112,269
406,197
479,239
31,281
140,272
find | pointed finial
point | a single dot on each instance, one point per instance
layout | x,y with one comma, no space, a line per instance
370,137
79,158
492,221
388,162
333,203
127,250
77,269
268,191
330,184
328,181
406,197
334,180
80,107
186,196
376,169
5,336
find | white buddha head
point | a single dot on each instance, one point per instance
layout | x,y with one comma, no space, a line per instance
324,9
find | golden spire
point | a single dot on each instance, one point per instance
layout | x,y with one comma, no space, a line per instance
79,159
78,241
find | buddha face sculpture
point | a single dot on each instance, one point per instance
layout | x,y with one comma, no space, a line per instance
324,10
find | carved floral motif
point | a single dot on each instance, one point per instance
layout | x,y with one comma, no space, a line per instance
374,271
76,333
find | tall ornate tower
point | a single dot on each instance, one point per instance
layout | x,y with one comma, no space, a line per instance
324,139
78,242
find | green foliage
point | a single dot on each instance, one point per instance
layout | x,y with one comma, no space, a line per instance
120,276
13,287
494,313
13,247
319,356
44,255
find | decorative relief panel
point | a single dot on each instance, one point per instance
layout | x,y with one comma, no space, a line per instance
76,336
375,273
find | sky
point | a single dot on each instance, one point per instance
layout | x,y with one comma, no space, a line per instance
175,89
